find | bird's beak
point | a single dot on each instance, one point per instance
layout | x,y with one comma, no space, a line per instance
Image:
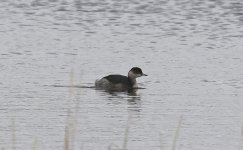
144,74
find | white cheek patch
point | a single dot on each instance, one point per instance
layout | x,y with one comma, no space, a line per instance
133,75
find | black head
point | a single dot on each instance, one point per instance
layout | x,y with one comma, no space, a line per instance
137,72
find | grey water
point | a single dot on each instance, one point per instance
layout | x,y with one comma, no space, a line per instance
191,50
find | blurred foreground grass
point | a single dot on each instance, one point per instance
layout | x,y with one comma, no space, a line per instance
71,129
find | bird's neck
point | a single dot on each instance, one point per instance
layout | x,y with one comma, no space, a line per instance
132,81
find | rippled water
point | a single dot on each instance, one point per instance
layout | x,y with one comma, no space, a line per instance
192,51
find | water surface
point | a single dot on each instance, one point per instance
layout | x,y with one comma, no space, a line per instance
191,50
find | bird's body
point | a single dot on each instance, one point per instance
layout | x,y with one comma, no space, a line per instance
120,82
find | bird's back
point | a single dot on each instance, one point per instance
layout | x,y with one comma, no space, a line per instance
117,79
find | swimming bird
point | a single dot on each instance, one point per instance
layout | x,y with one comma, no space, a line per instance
120,83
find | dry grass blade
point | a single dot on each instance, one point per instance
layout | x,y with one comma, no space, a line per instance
13,134
110,147
160,141
126,132
66,138
177,133
34,145
71,120
241,140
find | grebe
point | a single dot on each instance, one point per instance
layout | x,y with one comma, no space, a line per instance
120,82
